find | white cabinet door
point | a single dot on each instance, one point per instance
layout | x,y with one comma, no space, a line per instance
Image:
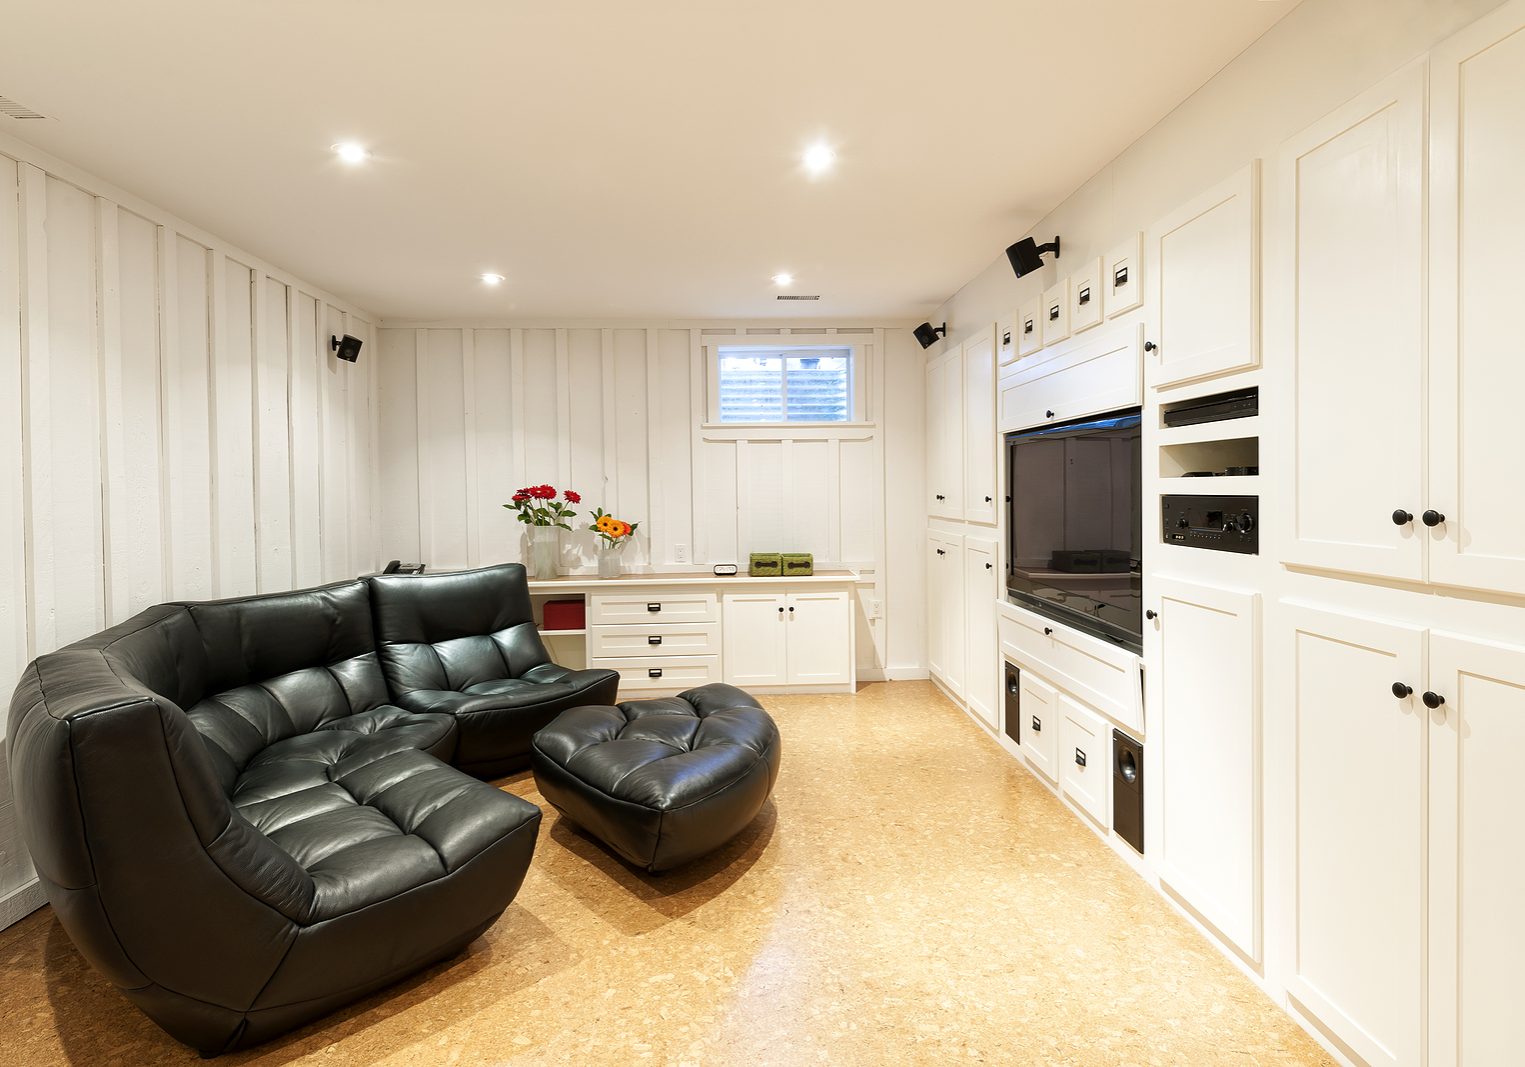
820,628
1208,696
1353,263
1207,273
1477,355
1085,759
754,636
982,660
945,609
937,649
979,443
1477,928
945,435
937,404
1040,724
1359,856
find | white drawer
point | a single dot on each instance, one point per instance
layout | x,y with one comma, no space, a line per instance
659,639
677,672
1097,672
652,607
1085,759
1074,380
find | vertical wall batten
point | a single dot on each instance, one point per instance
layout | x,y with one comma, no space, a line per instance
469,433
14,610
35,424
108,324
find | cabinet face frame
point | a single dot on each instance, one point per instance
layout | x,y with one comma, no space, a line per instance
1477,232
1318,528
1229,213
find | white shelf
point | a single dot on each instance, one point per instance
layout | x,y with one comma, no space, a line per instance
1248,485
563,633
1227,430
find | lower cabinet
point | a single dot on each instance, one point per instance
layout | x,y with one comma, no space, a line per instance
982,658
1207,690
797,637
945,609
1085,760
1040,725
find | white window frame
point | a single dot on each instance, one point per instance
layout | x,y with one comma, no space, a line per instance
858,349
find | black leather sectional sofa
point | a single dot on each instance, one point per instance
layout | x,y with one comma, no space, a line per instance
245,812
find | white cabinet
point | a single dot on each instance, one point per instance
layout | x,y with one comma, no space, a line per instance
1088,377
1085,759
945,609
756,650
1359,854
1206,257
1477,928
796,637
945,435
1353,197
1040,725
1477,359
982,660
1207,692
978,453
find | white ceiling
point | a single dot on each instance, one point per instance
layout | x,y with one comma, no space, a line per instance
613,159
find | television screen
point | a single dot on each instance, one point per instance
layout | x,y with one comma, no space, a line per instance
1076,524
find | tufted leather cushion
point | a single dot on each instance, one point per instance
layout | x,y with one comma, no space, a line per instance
466,645
661,781
238,825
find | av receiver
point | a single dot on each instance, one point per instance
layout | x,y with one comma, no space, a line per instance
1221,523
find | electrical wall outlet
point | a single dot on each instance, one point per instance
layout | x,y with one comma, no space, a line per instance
872,606
680,553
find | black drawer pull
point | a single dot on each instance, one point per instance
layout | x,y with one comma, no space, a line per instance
1053,313
653,607
1037,725
1027,327
654,672
1085,296
1080,758
1119,277
1006,339
654,640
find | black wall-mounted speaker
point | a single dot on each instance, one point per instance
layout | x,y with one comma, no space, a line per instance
347,347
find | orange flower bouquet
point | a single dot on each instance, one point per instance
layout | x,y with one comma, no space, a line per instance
615,535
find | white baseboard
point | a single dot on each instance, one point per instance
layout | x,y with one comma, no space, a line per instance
906,674
21,902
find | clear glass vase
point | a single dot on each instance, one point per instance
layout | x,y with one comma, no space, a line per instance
544,548
609,560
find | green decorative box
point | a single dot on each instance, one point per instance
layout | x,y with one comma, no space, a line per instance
765,565
798,564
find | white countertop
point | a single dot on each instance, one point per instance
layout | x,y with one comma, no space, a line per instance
646,579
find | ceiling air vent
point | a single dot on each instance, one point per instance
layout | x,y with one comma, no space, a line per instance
14,110
798,296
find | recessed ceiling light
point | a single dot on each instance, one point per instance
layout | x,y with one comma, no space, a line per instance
492,279
819,158
783,278
351,152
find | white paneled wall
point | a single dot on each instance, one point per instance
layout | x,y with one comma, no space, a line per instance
471,413
172,425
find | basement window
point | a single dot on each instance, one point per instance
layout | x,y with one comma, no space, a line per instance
795,384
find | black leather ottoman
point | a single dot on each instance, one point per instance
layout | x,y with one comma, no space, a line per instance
661,781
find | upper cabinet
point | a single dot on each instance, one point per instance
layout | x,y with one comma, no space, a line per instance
945,434
1477,344
1205,263
1423,421
1353,271
979,440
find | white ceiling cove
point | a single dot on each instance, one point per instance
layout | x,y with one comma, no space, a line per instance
612,159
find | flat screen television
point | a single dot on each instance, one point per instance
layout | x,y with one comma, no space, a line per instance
1076,524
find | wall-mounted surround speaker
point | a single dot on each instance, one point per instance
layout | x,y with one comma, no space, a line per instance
926,334
1026,255
347,347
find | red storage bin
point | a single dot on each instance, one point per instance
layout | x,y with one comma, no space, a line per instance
565,614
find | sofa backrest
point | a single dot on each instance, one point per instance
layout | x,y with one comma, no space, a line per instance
282,664
451,631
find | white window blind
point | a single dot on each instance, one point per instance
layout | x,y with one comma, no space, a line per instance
783,385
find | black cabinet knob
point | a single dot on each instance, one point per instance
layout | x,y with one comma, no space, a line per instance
1048,414
1150,346
781,610
1402,691
990,500
1048,631
990,566
940,552
941,497
1432,700
1402,518
1433,518
791,609
1151,614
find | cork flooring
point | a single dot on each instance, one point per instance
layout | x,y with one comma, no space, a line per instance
910,895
